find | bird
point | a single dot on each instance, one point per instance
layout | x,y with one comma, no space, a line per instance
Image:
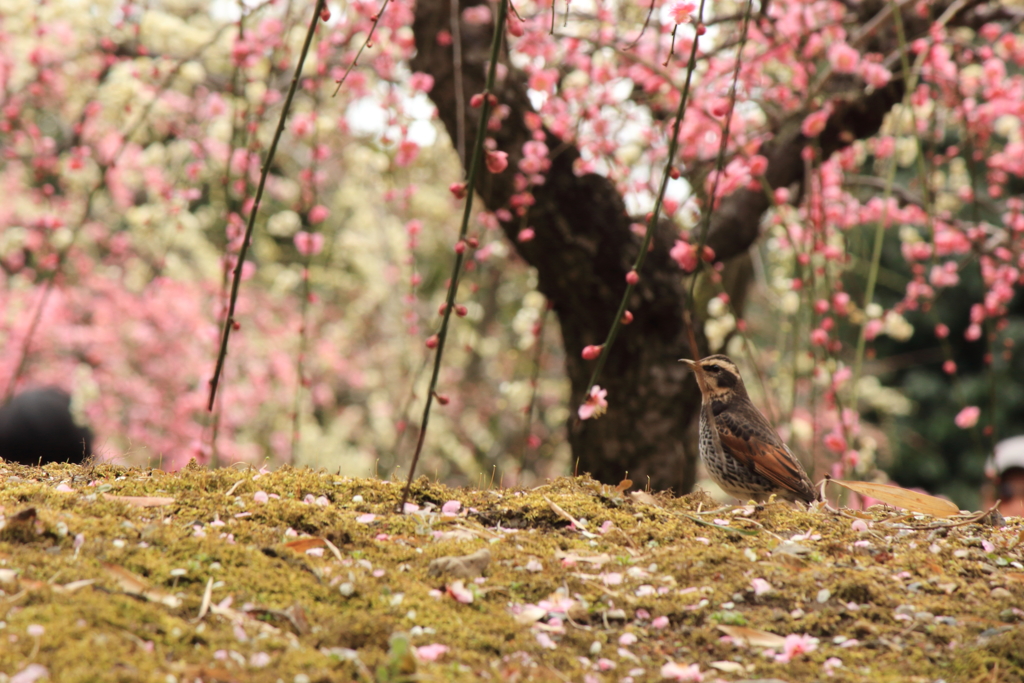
741,450
37,427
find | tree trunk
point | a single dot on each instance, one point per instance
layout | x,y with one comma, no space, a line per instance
582,251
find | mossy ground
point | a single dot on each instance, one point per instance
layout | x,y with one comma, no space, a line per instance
921,605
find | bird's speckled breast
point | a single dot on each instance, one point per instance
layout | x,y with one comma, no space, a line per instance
730,475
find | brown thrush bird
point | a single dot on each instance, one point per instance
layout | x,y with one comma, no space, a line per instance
741,450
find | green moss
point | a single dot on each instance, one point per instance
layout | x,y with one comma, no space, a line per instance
279,611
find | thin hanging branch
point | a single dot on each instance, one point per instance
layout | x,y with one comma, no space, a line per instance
722,148
534,377
453,286
632,278
229,319
366,43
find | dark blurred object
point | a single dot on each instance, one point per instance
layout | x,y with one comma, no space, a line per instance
1005,472
36,427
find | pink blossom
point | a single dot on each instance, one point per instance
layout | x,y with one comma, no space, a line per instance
261,497
843,58
685,255
835,442
452,507
515,27
973,332
309,243
318,214
431,653
758,165
945,275
761,586
874,74
477,15
543,80
659,622
596,403
815,122
591,352
525,235
627,639
496,161
681,11
407,153
303,124
796,645
680,672
968,417
366,518
421,82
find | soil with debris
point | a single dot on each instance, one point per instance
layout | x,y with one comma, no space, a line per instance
117,574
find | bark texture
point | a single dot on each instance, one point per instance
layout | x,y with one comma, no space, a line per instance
583,249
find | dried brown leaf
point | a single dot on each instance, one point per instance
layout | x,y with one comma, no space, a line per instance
464,567
753,637
645,498
133,584
562,513
304,544
902,498
596,560
75,585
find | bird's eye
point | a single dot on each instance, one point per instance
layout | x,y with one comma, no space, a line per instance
713,368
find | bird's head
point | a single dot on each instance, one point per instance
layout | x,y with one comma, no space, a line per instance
718,377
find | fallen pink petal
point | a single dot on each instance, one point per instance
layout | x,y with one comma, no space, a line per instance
459,592
682,672
431,653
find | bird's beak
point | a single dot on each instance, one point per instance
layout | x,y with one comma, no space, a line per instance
698,372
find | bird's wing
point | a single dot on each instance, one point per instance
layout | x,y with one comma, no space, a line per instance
759,448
